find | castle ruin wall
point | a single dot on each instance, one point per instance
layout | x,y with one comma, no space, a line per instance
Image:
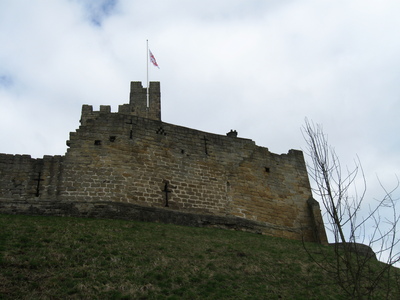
130,161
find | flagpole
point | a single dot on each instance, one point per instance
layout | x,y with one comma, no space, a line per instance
147,65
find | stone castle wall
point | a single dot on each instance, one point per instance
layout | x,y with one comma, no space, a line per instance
132,164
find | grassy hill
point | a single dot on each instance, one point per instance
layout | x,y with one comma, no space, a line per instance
74,258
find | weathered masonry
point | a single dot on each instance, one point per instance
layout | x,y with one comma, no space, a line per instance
129,164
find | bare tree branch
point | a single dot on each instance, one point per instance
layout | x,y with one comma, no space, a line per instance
352,267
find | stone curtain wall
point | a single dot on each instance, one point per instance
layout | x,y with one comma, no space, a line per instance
22,177
128,158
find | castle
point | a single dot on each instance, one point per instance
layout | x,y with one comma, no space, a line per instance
131,165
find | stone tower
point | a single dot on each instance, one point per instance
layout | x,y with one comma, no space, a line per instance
142,106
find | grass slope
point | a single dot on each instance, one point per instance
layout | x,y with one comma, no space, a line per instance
74,258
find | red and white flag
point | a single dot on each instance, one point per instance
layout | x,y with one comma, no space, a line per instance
153,59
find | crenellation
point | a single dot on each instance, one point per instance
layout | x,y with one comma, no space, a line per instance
105,108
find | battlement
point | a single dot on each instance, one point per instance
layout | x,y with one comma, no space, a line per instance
143,102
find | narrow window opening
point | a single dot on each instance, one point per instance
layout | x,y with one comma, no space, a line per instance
267,169
205,145
39,179
167,191
112,139
131,130
97,142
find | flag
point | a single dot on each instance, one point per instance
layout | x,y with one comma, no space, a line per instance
153,59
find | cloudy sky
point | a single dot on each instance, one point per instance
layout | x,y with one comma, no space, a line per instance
258,66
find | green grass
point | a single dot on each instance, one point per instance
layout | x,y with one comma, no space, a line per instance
76,258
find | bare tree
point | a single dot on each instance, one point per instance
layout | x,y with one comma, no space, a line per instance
342,193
